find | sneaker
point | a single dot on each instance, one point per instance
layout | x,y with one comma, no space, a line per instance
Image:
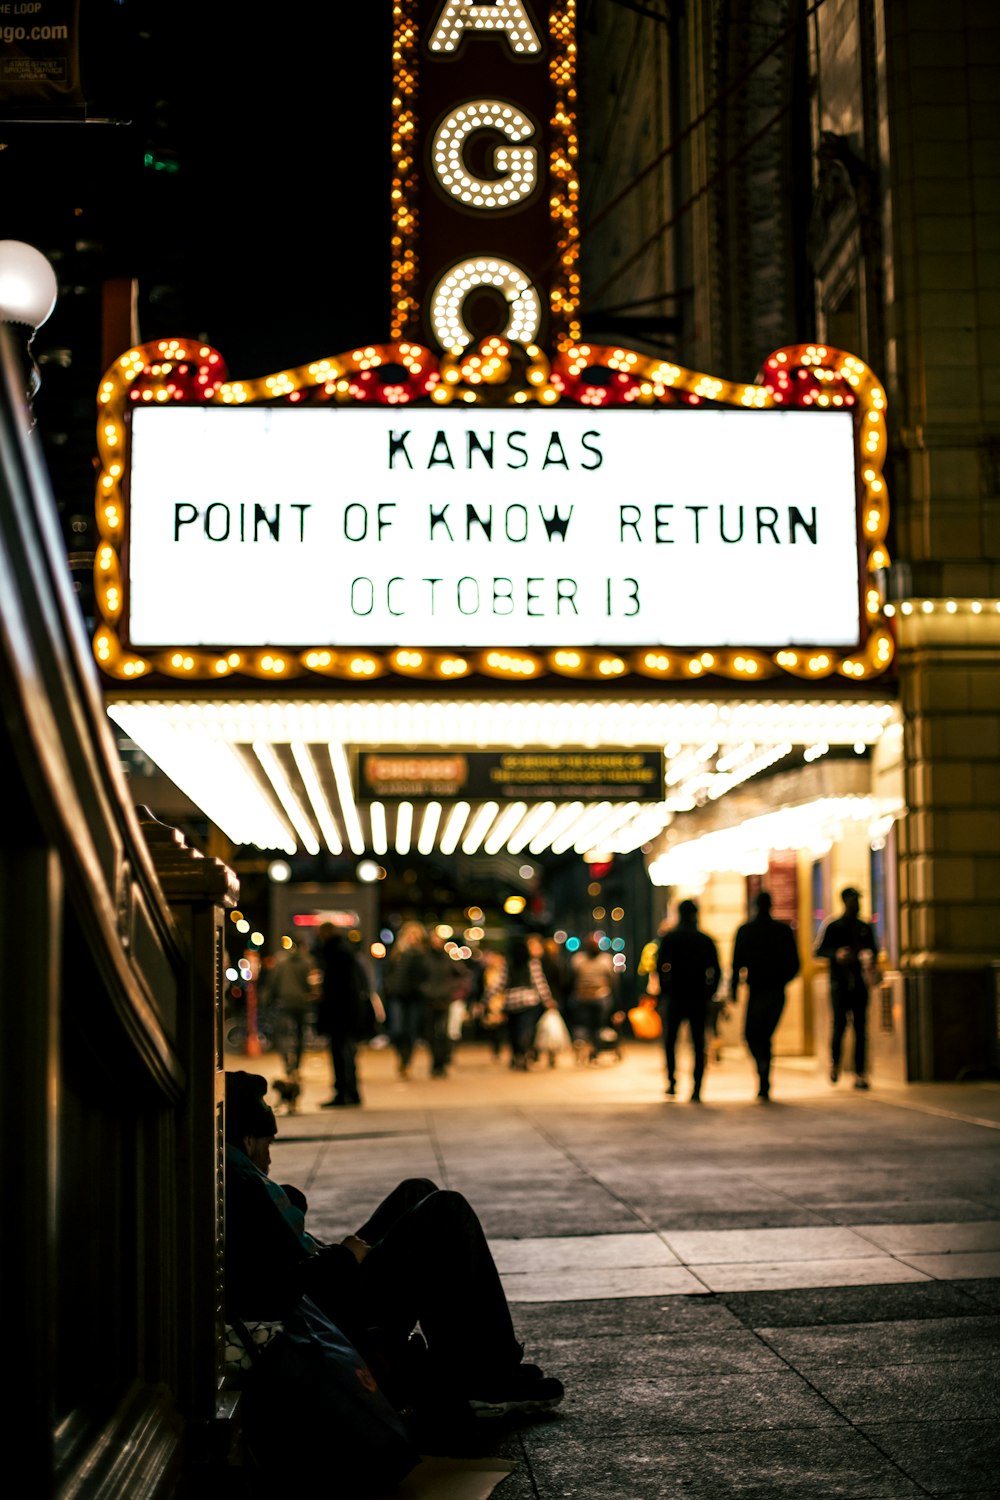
834,1075
861,1083
522,1391
671,1089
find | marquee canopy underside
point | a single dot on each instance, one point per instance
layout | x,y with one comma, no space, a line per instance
276,773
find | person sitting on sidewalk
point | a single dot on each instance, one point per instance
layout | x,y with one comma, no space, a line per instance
422,1257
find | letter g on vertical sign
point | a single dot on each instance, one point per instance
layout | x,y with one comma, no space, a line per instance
516,167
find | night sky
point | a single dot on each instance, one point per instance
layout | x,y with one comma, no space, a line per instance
284,131
269,235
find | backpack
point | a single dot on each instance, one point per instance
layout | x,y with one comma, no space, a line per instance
312,1405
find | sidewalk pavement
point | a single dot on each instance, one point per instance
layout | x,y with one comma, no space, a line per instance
774,1301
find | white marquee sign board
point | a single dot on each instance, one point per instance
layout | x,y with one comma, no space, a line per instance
359,528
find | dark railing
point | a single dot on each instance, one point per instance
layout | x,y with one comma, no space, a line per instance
110,1058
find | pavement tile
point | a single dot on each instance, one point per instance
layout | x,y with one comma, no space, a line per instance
624,1319
835,1463
757,1245
672,1401
579,1283
603,1361
581,1252
913,1211
899,1342
872,1270
677,1218
926,1238
957,1267
969,1391
985,1291
827,1306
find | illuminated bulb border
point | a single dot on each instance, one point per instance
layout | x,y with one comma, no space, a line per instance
192,373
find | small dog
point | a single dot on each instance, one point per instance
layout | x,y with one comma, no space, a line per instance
288,1091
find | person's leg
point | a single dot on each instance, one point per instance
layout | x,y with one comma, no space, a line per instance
433,1266
300,1038
596,1012
345,1081
697,1019
752,1027
517,1032
860,1017
839,1009
671,1028
285,1037
769,1005
350,1070
410,1192
436,1037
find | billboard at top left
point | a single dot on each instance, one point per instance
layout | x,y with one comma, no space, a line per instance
40,60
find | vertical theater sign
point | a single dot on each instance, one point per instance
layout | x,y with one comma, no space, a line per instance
486,493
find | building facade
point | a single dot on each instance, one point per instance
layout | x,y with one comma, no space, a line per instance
834,177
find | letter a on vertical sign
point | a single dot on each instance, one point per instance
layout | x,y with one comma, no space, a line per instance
455,18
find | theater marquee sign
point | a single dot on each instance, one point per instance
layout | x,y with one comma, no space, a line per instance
487,493
620,529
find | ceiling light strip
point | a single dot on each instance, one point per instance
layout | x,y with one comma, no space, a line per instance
593,813
428,828
479,827
596,837
274,770
504,827
523,835
564,816
588,721
745,846
453,828
376,819
302,756
404,827
348,808
642,829
213,775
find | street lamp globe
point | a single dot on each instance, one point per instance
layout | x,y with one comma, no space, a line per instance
28,290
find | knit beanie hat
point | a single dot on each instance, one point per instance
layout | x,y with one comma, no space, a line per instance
246,1112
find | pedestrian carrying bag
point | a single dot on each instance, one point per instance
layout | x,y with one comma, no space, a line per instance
645,1020
552,1033
312,1407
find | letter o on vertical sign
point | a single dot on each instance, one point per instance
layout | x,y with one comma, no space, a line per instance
454,285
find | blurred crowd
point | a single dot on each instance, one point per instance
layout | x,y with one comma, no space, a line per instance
527,998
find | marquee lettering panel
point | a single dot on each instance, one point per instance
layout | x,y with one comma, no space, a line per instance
687,537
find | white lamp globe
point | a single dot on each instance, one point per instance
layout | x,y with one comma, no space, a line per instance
28,286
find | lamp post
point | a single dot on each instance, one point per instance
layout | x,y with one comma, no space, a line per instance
28,289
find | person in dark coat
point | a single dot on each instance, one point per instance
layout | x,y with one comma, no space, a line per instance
687,962
344,1014
422,1258
766,955
851,946
438,982
404,1003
